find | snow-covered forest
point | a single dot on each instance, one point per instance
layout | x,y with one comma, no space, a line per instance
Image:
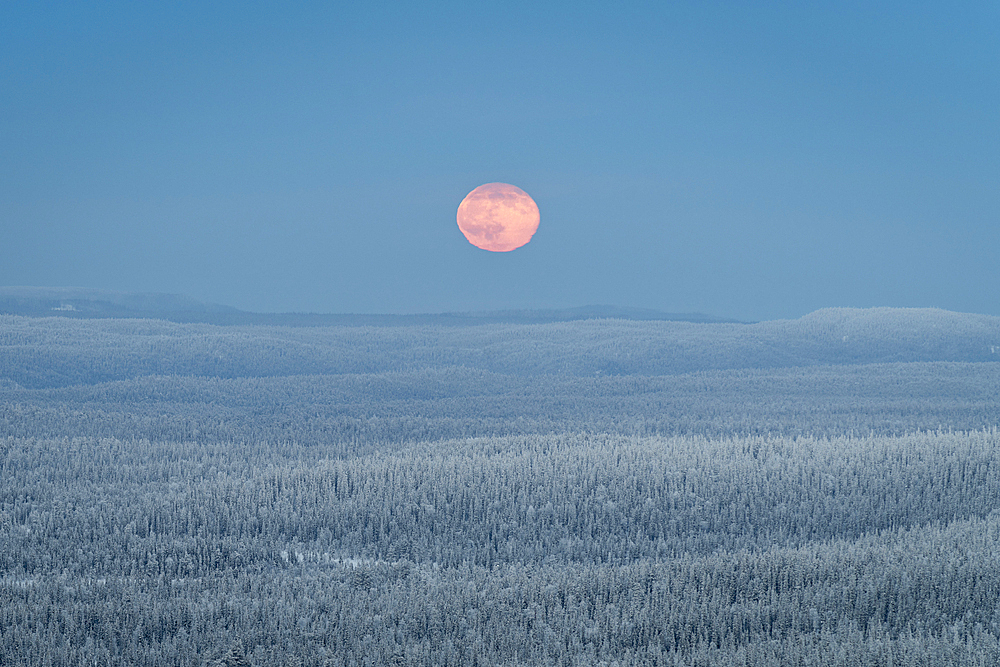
822,491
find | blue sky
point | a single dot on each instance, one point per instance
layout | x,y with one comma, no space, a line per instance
751,160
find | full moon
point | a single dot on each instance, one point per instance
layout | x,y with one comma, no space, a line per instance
498,217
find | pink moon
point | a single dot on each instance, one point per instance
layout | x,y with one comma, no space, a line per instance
498,217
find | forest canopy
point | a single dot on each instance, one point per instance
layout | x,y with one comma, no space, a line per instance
605,491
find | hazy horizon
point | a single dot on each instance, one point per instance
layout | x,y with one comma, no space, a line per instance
751,162
168,302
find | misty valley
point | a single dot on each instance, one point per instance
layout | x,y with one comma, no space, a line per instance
605,491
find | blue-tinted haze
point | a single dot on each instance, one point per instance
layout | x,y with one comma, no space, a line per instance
753,160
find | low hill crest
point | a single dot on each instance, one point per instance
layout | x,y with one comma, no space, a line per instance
62,351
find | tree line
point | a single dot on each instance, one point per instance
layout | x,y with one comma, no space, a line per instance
570,549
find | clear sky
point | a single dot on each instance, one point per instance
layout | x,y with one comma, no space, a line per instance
747,159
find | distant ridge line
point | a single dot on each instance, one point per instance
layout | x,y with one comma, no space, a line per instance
80,303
